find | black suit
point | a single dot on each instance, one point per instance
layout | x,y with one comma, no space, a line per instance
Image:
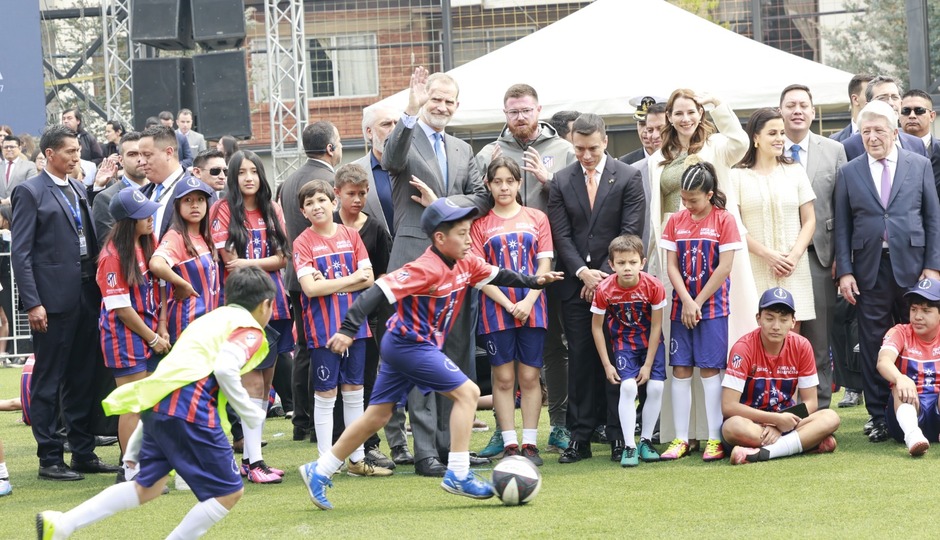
634,156
581,236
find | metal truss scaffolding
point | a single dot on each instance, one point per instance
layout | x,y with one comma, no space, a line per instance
118,51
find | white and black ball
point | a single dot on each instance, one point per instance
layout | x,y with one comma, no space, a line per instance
516,480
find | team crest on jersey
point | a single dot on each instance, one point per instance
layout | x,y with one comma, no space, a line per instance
621,362
548,161
216,225
323,373
736,361
450,365
402,276
111,279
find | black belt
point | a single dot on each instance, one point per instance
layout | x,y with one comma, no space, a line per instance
885,252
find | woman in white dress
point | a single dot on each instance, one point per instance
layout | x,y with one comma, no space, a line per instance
775,198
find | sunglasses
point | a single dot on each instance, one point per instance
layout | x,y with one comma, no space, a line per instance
215,171
905,111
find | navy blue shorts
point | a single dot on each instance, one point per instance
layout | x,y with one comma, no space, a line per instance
523,344
928,418
200,454
149,366
705,346
284,343
406,364
329,370
628,363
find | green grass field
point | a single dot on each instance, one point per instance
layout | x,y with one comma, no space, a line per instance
864,490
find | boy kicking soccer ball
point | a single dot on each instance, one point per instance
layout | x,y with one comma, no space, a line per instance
183,414
428,293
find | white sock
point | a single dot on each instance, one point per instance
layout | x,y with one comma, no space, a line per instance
786,445
112,500
198,520
252,449
328,464
907,419
681,406
3,470
130,473
323,422
509,438
529,436
459,463
352,409
627,408
712,387
652,408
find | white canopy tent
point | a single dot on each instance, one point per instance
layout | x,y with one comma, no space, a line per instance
597,58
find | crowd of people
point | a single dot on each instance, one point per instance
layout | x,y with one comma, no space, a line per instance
375,282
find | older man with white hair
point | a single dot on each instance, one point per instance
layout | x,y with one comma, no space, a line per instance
887,238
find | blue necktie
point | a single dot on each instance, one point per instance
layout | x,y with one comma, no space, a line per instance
156,198
441,157
795,153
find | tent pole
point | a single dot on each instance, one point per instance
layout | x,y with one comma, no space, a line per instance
447,37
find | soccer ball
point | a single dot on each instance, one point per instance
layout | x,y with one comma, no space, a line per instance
516,480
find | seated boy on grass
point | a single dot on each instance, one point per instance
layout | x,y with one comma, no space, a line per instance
768,367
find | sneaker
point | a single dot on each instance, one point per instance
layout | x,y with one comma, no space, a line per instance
629,458
558,440
677,449
259,473
741,455
46,526
316,485
180,485
511,450
714,450
494,448
480,425
246,468
531,452
647,452
828,446
377,458
472,486
851,399
5,487
918,447
364,468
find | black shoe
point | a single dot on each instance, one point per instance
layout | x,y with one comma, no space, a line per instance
60,473
866,429
94,466
301,434
376,458
576,452
616,451
105,441
599,435
879,432
430,467
402,456
638,429
276,412
476,461
851,399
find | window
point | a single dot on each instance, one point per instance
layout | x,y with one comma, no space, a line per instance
343,66
470,44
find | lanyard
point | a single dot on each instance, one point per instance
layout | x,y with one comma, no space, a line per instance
126,182
76,215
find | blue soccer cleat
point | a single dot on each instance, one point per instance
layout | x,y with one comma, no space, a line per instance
471,486
316,485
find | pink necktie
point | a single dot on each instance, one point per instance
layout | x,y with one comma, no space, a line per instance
591,186
9,168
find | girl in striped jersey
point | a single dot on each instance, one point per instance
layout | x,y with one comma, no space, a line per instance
513,320
186,261
248,230
128,321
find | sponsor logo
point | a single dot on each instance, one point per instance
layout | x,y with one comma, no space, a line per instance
402,276
491,347
621,362
192,182
780,293
344,244
323,373
450,365
673,346
924,285
138,196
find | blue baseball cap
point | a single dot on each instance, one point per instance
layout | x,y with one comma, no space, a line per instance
928,288
775,296
130,203
442,211
188,185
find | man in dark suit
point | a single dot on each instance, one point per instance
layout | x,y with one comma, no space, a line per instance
54,252
425,164
158,160
888,90
887,237
650,119
821,157
15,169
591,203
917,115
324,152
133,177
857,100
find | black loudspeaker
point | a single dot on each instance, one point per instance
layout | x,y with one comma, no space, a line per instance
219,24
222,94
161,84
164,24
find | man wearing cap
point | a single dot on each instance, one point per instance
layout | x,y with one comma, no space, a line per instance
768,368
908,360
648,109
886,237
54,250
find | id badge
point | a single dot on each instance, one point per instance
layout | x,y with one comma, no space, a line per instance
82,244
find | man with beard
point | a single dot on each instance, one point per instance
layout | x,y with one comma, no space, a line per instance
133,177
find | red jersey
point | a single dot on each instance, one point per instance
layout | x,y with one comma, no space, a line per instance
916,359
201,271
123,348
770,383
629,311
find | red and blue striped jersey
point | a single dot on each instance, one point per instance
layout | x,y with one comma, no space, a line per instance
516,243
770,383
697,245
257,248
629,311
202,272
198,402
916,359
123,348
428,294
337,256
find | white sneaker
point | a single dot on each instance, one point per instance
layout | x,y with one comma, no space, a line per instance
917,444
180,484
5,487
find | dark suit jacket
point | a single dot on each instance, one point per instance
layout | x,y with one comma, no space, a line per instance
373,205
185,152
45,253
633,156
912,219
842,135
170,210
293,218
101,210
854,146
580,232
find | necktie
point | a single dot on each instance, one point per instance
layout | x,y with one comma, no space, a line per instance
156,198
9,168
441,156
591,186
885,189
795,153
